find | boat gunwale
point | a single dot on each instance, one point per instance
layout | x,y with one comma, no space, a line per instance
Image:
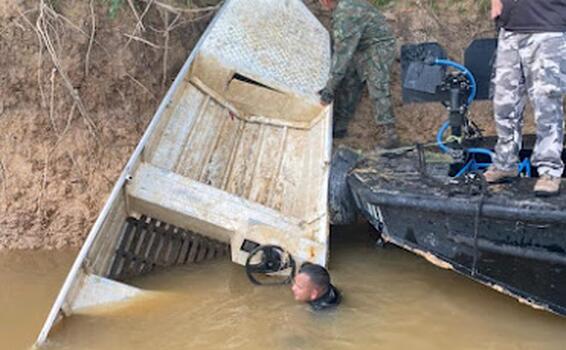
461,206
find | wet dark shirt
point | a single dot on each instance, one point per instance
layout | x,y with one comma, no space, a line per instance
329,300
533,16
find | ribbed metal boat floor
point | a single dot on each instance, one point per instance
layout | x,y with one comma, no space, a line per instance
147,243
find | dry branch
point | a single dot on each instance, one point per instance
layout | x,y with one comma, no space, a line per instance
166,37
139,24
39,58
48,25
138,18
52,100
67,125
16,22
137,82
178,10
39,210
43,23
91,41
141,40
3,176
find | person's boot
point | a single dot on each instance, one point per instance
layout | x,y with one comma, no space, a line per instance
389,139
547,186
494,175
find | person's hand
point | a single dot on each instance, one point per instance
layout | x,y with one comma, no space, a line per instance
326,97
496,8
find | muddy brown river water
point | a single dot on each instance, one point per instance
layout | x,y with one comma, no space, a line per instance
393,300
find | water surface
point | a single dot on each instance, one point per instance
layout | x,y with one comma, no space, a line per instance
392,300
29,283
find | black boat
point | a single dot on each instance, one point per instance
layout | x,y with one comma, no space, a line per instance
433,200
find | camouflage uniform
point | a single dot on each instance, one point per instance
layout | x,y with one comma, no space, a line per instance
533,65
364,49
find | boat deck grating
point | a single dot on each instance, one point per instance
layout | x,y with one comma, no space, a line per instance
146,243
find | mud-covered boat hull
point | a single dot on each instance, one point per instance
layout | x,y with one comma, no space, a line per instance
504,238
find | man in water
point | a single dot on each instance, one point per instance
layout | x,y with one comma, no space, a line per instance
531,62
312,285
363,51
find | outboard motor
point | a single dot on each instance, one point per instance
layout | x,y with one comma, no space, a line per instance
427,76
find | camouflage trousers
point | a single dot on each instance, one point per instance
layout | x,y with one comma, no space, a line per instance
530,66
371,68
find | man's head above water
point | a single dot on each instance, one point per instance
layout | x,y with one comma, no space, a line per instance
311,282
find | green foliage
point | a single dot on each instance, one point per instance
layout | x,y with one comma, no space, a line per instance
54,4
382,3
114,7
484,5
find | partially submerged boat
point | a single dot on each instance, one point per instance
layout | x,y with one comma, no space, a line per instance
236,158
432,200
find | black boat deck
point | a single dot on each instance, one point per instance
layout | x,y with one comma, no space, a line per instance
399,173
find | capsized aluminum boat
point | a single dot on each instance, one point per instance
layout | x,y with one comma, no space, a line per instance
237,156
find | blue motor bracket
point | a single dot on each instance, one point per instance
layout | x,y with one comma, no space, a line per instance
428,76
461,88
458,91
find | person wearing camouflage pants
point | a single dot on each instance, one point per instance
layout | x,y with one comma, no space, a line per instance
531,64
363,52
